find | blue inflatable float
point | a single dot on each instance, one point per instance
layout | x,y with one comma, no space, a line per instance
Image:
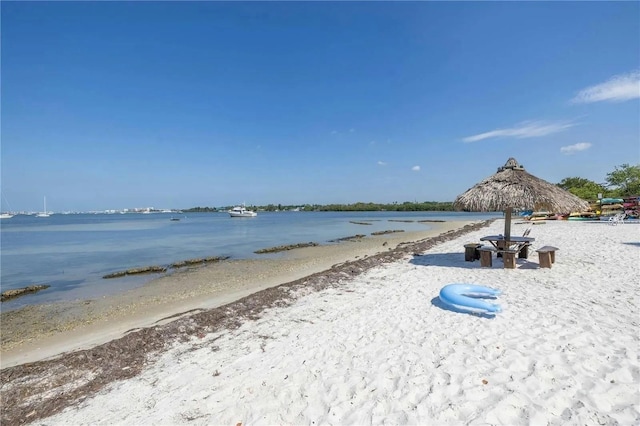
467,297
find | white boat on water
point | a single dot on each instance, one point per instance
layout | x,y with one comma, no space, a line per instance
241,211
6,215
44,213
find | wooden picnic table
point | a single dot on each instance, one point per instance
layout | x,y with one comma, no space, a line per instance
517,243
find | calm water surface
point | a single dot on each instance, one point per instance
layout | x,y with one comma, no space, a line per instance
71,253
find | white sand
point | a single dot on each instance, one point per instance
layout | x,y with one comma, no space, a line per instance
380,349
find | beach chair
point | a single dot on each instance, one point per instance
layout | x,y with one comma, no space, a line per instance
616,219
523,250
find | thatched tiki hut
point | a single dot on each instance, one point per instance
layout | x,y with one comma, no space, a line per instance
513,188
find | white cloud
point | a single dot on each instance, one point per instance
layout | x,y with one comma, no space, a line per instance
381,163
570,149
527,129
619,88
416,168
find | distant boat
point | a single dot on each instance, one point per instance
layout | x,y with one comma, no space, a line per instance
6,215
241,211
44,213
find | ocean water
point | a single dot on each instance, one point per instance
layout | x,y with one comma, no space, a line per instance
72,252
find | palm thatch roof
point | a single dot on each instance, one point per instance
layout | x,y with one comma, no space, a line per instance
513,188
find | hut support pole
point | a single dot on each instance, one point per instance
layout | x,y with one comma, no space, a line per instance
507,225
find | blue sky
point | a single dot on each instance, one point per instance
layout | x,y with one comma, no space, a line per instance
109,105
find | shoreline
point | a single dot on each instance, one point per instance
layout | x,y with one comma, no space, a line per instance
368,340
38,332
77,369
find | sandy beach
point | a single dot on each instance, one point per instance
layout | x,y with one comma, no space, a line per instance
40,331
366,342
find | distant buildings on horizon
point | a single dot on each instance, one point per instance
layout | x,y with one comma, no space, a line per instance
141,210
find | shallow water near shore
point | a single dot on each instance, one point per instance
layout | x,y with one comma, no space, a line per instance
72,252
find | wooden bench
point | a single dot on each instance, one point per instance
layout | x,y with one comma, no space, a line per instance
471,252
547,256
524,251
486,252
509,258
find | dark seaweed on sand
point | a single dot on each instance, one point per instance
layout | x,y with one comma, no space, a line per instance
41,389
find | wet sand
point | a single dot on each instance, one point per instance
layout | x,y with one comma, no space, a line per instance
39,332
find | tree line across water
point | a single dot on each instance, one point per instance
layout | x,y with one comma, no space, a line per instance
623,181
356,207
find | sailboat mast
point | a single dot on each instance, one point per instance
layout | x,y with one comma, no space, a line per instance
44,213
